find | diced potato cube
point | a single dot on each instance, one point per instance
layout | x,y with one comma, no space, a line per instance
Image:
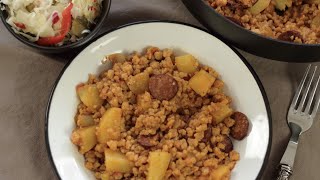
158,165
117,58
283,4
221,173
105,176
85,138
186,63
139,83
117,162
223,112
110,126
89,95
201,82
85,120
259,6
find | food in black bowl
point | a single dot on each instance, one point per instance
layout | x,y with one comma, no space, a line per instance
278,29
287,20
54,25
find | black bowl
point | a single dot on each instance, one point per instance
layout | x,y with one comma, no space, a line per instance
250,41
58,49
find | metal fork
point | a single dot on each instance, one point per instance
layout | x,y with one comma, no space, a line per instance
300,118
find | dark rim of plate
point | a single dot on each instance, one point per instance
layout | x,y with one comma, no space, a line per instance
264,95
106,4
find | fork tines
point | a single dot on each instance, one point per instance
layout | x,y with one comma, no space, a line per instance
303,93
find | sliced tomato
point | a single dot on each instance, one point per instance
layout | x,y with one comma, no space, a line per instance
65,27
20,25
66,19
55,18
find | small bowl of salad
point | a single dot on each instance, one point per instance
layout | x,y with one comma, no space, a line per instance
54,26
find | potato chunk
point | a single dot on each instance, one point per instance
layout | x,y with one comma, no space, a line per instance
283,4
85,138
117,162
223,112
117,58
105,176
85,120
186,63
221,173
201,82
259,6
110,126
89,95
139,83
158,165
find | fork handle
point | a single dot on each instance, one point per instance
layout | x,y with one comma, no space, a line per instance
285,172
287,160
286,164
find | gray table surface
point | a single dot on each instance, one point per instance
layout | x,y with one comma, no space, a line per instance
27,77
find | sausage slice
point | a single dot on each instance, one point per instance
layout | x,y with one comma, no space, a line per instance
241,126
228,146
290,36
163,87
148,141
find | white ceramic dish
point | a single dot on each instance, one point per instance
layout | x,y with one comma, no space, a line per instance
241,82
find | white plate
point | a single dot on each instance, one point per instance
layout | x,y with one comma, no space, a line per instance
241,84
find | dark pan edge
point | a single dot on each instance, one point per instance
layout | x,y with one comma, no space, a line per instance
265,37
300,53
262,90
